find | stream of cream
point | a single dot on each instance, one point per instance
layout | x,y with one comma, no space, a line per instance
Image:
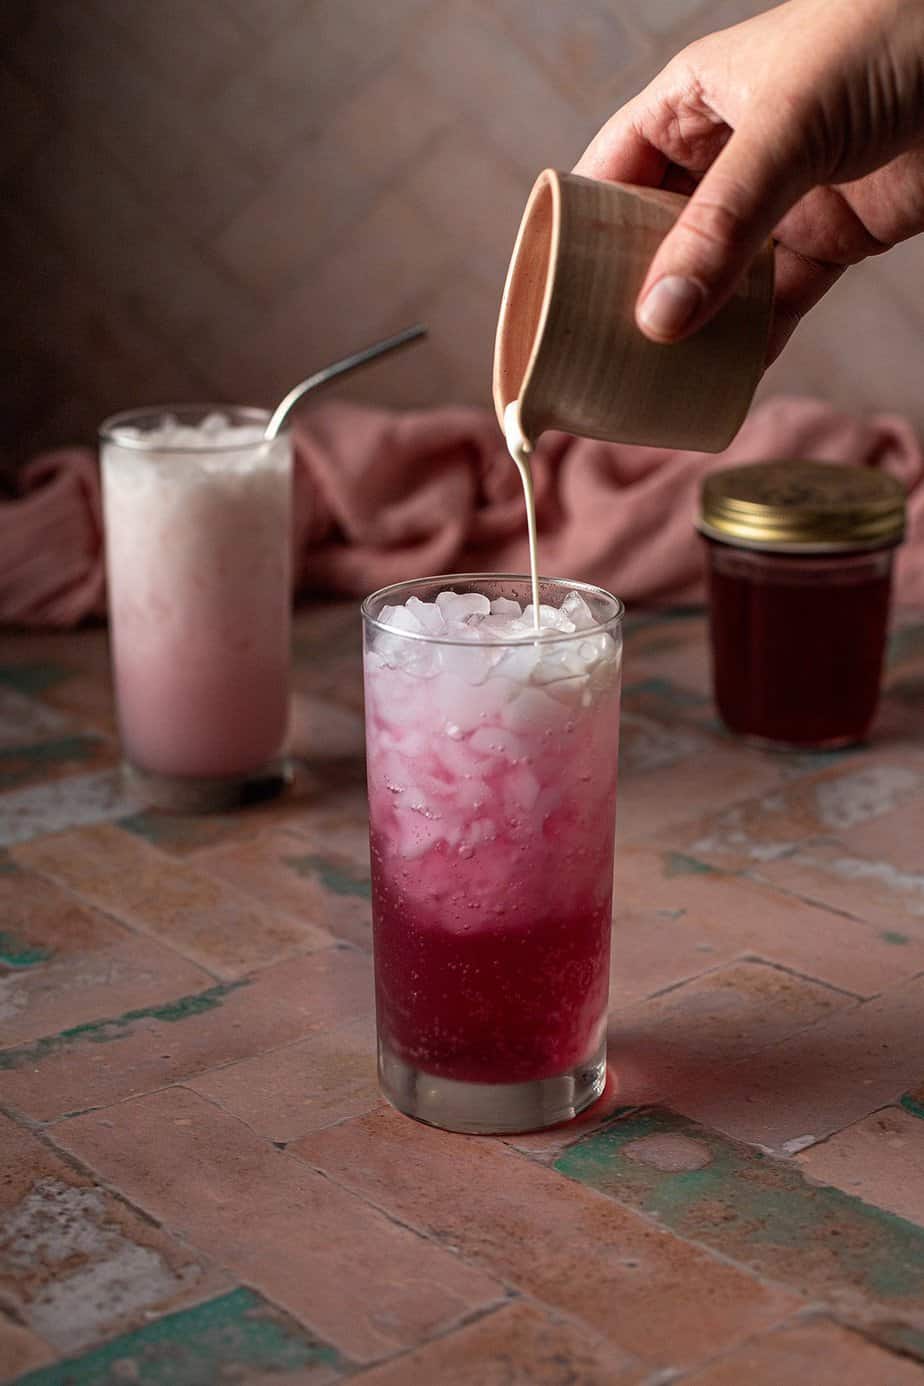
520,449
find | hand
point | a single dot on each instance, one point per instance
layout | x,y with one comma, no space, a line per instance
807,123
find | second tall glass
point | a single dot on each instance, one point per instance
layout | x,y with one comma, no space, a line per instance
198,547
492,791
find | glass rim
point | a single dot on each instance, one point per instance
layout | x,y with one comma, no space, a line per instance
245,413
547,638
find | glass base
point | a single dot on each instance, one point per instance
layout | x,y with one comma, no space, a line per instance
192,794
490,1109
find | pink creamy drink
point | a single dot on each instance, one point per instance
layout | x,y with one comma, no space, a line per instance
492,781
197,518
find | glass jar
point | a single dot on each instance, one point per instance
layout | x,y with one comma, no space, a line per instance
799,569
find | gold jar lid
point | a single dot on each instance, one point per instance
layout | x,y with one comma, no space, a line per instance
802,507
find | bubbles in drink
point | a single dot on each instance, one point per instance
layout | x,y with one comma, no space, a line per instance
492,732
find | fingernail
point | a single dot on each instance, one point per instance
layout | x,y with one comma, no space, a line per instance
669,305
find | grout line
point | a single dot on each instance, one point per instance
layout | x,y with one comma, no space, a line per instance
753,875
862,998
867,1332
212,1101
650,1220
139,930
685,981
423,1233
474,1316
893,1106
87,1171
813,1313
819,1309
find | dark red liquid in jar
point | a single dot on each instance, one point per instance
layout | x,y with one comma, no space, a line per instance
798,642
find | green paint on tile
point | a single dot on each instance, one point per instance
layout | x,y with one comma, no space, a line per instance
906,643
891,936
8,866
648,619
716,725
174,832
51,752
338,877
667,691
662,644
15,952
187,1006
18,763
221,1340
913,1102
755,1209
105,1031
679,864
811,761
33,679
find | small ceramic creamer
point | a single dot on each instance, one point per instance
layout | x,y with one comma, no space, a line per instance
568,352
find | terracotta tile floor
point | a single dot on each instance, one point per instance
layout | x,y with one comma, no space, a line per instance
201,1184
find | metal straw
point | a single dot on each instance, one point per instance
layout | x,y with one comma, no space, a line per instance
349,363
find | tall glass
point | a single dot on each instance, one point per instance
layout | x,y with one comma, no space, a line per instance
197,511
492,795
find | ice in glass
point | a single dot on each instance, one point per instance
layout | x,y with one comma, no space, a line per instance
492,758
197,522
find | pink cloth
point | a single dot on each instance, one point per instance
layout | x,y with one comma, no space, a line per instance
384,496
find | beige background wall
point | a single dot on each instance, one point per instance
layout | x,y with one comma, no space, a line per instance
214,197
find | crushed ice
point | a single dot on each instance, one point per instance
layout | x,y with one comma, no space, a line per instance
214,431
469,617
462,722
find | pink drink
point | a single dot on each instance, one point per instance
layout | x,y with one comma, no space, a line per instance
198,557
492,781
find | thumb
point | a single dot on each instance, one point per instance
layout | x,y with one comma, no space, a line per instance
747,191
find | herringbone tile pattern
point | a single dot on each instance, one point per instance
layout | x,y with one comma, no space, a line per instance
213,197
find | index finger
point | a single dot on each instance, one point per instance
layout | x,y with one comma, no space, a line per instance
619,152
